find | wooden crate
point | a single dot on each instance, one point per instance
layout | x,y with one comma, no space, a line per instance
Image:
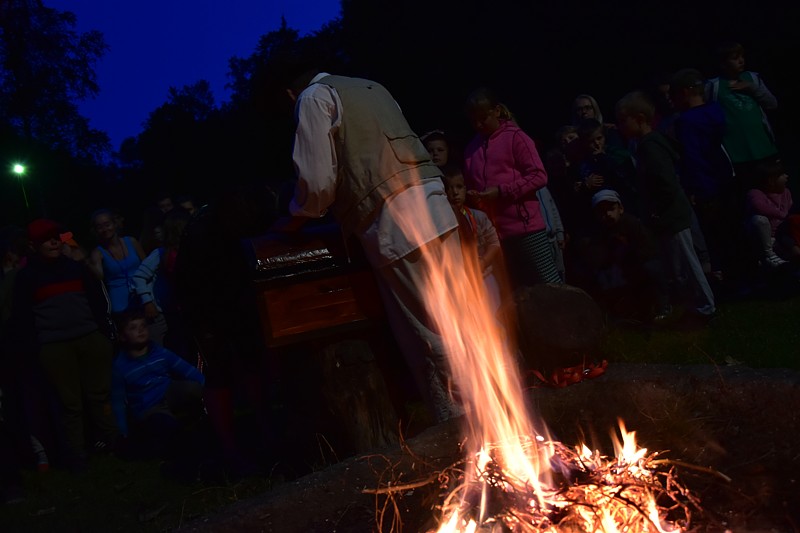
313,288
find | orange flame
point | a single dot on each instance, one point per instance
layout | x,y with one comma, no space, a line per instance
485,375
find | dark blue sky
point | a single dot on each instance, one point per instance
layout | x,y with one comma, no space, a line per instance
157,44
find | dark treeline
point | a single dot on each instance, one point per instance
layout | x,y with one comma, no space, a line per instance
536,56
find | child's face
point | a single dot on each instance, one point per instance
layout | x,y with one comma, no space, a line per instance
135,333
438,151
189,206
165,205
596,142
778,183
680,99
485,120
609,213
49,249
456,190
734,64
584,108
629,125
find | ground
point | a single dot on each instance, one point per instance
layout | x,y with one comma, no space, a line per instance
726,396
741,422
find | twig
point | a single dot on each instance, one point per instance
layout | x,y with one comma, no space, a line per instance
690,466
404,487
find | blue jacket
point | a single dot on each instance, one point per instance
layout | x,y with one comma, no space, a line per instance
705,167
142,382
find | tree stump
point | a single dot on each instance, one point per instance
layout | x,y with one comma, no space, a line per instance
357,395
557,326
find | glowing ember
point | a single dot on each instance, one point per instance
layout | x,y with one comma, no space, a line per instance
516,478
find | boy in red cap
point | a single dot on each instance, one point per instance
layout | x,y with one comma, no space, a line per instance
60,311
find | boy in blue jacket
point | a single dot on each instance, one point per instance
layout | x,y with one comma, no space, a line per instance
150,385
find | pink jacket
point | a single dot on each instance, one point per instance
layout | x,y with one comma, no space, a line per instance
509,160
774,206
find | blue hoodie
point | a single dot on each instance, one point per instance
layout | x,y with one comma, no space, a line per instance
142,382
705,168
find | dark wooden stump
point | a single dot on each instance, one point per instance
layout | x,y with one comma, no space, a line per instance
357,395
557,326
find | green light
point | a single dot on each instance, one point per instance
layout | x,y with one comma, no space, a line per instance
19,169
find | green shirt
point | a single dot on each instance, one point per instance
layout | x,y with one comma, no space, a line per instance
746,136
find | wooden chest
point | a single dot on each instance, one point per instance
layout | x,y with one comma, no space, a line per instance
312,286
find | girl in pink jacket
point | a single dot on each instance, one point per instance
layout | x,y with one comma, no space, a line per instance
503,171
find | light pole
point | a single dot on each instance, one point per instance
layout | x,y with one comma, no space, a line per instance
19,169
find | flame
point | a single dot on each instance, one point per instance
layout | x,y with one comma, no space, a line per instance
498,425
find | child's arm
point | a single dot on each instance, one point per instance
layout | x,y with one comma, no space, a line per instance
553,216
180,368
761,205
487,238
96,263
529,165
762,94
143,280
99,302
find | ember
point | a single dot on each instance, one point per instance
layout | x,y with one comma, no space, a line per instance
515,478
591,493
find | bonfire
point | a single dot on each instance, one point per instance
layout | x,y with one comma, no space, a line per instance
515,477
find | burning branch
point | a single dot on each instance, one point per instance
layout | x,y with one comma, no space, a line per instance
591,493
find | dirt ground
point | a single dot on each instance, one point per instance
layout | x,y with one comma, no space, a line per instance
742,422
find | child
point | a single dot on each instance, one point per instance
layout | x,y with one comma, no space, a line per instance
665,208
768,207
59,309
604,167
151,384
585,107
476,231
565,185
745,99
624,258
438,147
503,171
706,172
154,283
556,235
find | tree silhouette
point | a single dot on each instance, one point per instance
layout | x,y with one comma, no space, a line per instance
47,68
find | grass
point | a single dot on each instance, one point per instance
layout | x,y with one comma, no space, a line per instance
122,496
118,496
756,333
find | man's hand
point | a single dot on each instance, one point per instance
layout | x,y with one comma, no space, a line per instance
289,224
150,310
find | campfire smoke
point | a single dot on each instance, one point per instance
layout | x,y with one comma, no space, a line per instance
516,477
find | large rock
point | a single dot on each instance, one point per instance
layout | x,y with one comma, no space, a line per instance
557,326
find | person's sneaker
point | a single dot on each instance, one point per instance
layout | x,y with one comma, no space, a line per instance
663,314
773,261
101,446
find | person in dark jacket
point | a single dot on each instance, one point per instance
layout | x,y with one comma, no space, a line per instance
706,171
60,311
664,206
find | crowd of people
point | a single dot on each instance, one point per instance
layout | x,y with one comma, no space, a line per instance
680,200
124,347
682,196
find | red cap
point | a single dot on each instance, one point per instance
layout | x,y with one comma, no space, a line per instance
42,229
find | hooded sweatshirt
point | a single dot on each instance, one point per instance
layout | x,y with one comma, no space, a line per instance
508,159
665,207
705,167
